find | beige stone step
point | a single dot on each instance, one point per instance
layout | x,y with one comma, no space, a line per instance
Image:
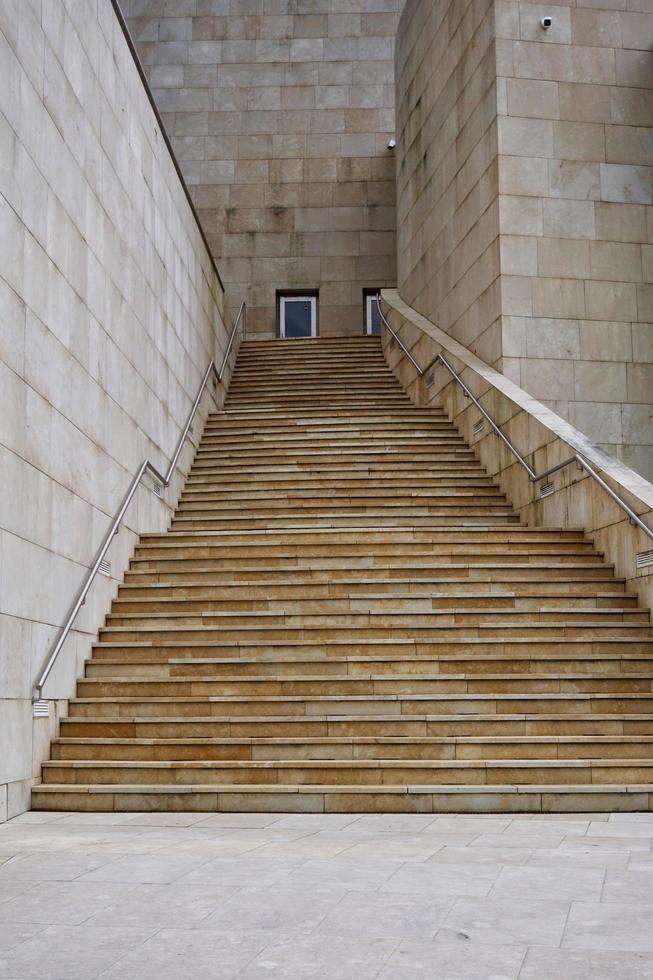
421,542
386,473
511,798
310,399
473,772
297,592
356,747
189,706
412,647
227,686
353,633
110,662
546,724
370,568
280,490
166,599
356,618
341,431
489,536
341,581
455,517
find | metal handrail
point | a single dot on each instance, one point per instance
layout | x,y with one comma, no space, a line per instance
145,467
532,475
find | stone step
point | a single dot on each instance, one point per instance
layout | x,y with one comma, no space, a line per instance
511,538
469,772
354,633
362,542
278,490
355,747
261,618
376,474
156,600
430,450
460,593
502,645
546,724
510,798
188,706
284,685
119,662
335,569
371,402
292,434
473,516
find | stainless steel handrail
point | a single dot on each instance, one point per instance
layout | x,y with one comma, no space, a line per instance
145,467
532,475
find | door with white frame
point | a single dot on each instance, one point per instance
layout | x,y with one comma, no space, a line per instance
372,315
297,316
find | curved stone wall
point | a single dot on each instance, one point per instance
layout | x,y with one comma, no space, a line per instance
447,184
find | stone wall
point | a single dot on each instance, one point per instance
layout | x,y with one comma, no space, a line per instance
447,183
524,160
575,167
109,314
280,112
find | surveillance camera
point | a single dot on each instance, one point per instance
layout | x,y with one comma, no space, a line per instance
392,144
546,23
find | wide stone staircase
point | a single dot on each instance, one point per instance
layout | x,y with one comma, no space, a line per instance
345,615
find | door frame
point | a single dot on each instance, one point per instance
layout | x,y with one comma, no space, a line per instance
302,295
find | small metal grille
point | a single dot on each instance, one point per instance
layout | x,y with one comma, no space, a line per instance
104,568
40,709
546,489
644,559
478,426
157,488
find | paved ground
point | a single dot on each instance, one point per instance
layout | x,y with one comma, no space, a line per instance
253,896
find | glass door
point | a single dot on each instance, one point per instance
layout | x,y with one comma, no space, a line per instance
298,316
372,315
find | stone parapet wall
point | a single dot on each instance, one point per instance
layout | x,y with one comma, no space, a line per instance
542,438
110,309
